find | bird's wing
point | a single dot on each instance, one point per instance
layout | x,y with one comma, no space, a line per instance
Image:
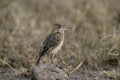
51,42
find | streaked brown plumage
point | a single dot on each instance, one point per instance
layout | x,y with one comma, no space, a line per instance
53,42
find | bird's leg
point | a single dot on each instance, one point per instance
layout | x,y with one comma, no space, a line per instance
50,59
53,59
49,56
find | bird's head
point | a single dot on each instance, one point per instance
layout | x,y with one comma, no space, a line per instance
58,28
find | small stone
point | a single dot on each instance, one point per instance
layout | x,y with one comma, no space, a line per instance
48,72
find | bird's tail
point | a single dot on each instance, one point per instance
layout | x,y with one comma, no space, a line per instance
41,53
38,60
37,63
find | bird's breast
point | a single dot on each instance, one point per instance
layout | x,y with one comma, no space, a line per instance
54,51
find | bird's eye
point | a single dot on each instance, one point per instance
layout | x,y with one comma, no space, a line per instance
59,27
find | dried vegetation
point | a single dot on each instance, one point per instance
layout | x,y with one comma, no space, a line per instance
94,38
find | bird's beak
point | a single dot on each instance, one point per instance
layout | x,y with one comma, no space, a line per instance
64,29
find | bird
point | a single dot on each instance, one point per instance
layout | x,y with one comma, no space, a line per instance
53,42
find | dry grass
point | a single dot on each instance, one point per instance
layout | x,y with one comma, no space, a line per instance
94,37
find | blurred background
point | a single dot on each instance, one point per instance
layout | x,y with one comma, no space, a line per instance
93,38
